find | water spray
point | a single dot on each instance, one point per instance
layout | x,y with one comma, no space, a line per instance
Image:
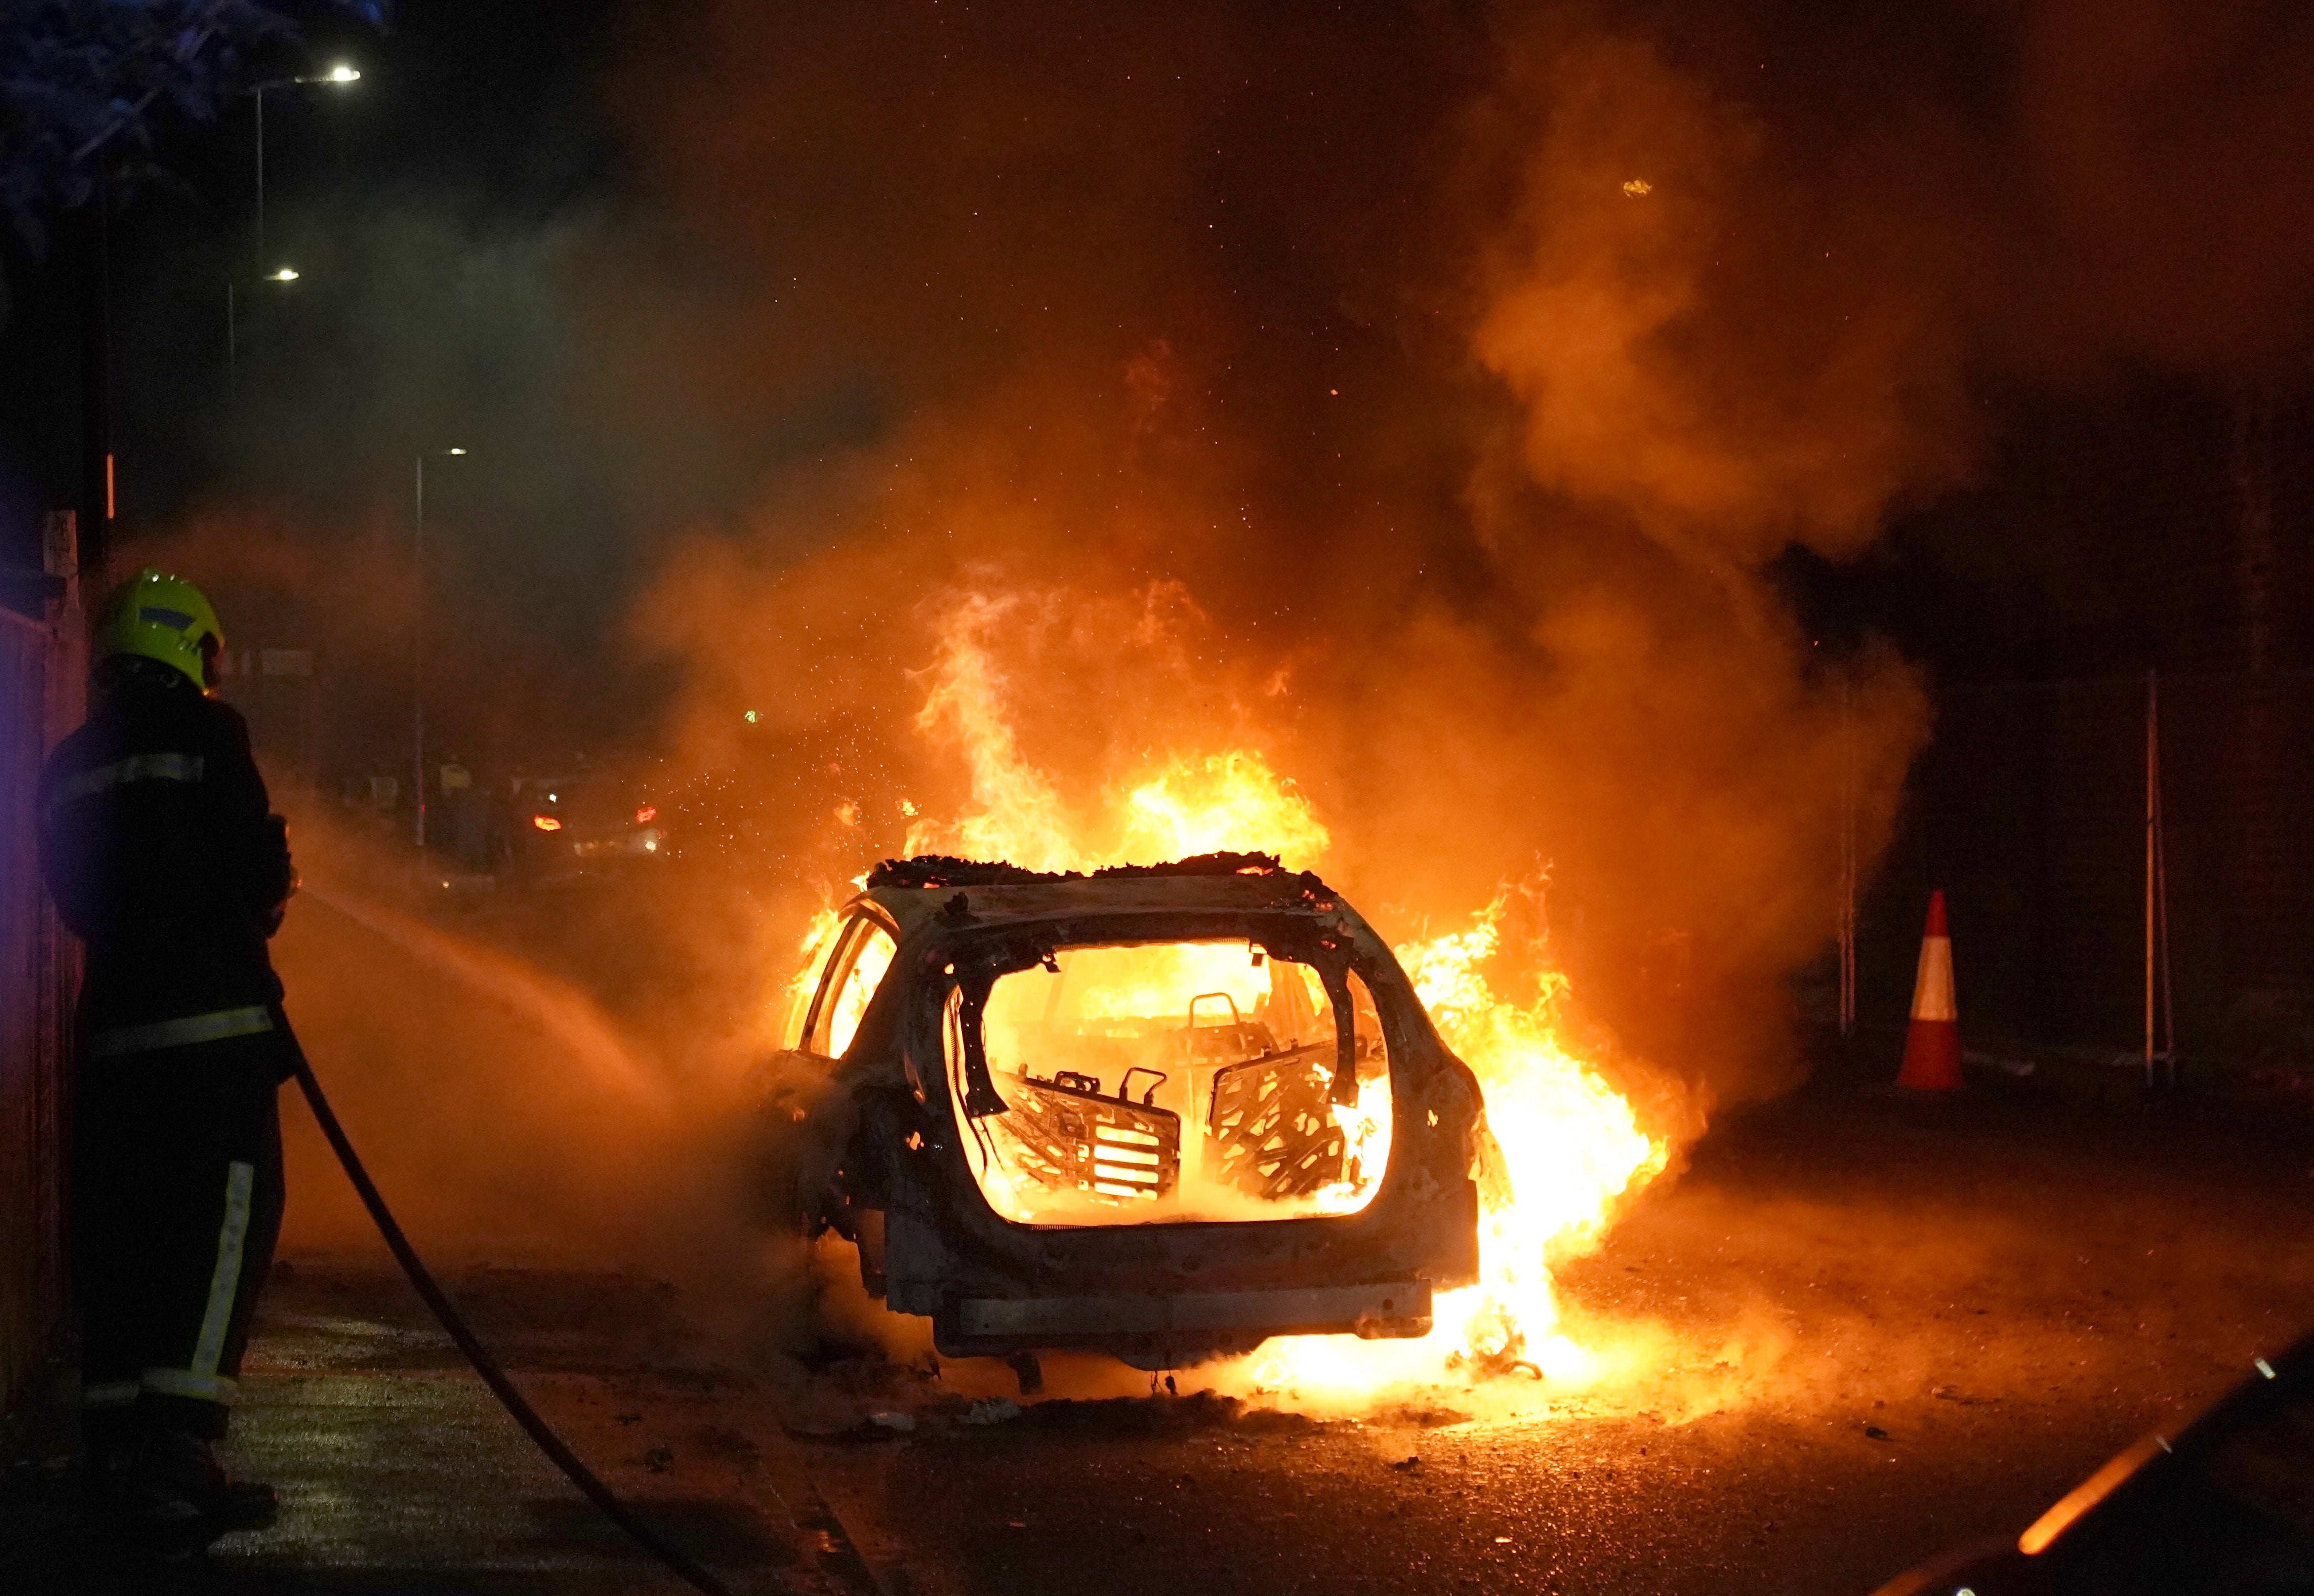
558,1452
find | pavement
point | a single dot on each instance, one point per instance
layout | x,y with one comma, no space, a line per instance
399,1472
1853,1332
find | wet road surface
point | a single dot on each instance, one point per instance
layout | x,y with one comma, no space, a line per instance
1856,1331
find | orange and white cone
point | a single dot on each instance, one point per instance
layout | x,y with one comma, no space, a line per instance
1932,1045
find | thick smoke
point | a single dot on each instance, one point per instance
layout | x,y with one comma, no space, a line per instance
1380,412
1415,394
1450,377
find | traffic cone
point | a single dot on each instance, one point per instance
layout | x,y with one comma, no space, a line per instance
1932,1045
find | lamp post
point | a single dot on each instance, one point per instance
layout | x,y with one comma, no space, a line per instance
341,75
284,274
418,652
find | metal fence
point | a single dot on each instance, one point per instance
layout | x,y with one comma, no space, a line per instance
2030,809
40,696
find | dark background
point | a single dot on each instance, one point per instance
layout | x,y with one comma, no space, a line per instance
2163,530
2143,521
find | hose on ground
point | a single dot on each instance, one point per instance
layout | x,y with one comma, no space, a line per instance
493,1375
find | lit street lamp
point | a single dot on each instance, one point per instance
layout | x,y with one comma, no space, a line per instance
285,274
417,650
340,75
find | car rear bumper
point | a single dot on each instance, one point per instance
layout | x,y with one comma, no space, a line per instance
1192,1324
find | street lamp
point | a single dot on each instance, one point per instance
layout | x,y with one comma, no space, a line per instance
417,649
285,274
339,77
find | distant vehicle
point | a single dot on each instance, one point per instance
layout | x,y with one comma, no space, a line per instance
1160,1112
578,823
2222,1507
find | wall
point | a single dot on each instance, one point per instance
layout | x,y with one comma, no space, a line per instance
40,675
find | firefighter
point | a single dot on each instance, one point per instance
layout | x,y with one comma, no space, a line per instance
158,846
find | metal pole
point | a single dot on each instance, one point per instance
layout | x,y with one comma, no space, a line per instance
2153,758
417,665
1847,862
2161,918
261,179
96,497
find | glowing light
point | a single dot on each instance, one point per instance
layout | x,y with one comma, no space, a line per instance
646,815
546,823
1638,186
750,717
343,74
286,274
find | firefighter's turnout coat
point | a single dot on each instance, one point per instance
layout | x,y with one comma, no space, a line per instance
157,841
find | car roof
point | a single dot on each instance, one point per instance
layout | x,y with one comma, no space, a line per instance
913,892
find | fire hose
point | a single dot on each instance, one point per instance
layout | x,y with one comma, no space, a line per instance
493,1375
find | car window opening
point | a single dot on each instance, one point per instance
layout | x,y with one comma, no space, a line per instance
855,967
1171,1083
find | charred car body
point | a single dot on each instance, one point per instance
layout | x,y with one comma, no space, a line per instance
1162,1112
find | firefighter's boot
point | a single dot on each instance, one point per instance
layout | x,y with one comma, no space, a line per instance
110,1438
177,1498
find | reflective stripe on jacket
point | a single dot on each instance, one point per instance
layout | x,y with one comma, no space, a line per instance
191,1030
137,767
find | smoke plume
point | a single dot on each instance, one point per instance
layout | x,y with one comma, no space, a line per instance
1416,395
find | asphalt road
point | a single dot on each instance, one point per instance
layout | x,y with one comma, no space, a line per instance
1853,1331
1879,1330
1882,1330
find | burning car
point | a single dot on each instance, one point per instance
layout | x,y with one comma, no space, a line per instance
1162,1112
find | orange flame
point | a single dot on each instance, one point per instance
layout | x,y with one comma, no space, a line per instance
1569,1144
1564,1145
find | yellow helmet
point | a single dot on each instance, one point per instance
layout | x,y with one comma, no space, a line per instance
158,616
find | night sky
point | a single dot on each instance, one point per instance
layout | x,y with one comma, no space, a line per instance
510,245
